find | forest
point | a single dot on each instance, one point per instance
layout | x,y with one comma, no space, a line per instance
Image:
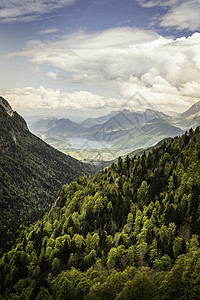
130,232
31,172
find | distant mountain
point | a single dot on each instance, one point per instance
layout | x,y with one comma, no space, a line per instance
122,123
30,170
57,126
89,122
147,134
190,118
128,119
192,111
125,130
66,126
43,124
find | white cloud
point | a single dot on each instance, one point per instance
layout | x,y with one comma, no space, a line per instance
28,10
94,58
180,15
153,3
100,2
160,95
128,60
53,75
47,31
47,98
186,15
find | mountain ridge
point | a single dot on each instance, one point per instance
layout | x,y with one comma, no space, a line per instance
118,128
192,110
31,171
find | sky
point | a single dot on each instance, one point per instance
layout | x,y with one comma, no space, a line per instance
90,57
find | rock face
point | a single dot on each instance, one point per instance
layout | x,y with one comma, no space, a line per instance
4,104
11,126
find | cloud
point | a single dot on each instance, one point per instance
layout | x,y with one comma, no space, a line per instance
28,10
161,96
163,70
153,3
94,58
47,31
47,98
186,15
118,53
180,15
100,2
157,93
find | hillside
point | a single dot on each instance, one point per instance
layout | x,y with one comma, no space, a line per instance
31,172
147,134
131,232
193,110
190,118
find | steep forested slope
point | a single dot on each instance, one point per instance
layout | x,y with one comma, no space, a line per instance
132,232
31,172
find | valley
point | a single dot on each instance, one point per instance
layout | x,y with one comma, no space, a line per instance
96,140
70,232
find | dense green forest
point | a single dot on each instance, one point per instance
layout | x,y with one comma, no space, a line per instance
31,172
131,232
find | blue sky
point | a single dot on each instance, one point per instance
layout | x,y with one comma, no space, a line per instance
94,56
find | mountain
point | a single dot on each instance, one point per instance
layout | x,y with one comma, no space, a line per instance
140,152
122,123
193,110
131,232
109,126
89,122
147,134
125,131
66,127
42,125
133,154
190,118
31,171
54,126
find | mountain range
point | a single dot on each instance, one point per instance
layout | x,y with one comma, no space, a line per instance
125,130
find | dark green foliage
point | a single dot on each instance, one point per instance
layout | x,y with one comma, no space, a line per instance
31,172
132,232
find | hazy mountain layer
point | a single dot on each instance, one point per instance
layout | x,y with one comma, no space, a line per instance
147,134
89,122
125,130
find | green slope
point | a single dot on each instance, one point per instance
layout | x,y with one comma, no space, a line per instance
31,172
132,232
147,134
